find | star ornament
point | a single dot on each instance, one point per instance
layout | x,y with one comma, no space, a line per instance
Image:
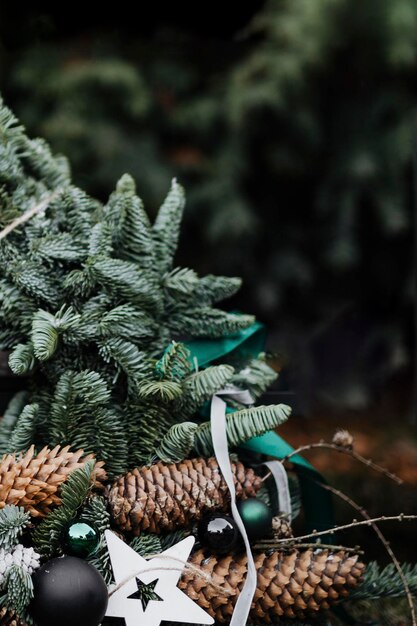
156,581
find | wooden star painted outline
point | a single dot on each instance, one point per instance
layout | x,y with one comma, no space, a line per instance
175,606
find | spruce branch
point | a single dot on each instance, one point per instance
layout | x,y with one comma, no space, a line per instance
385,582
23,433
166,228
13,521
22,358
47,536
177,443
175,363
18,589
27,215
242,426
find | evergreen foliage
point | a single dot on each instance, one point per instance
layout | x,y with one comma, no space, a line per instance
13,521
103,301
306,116
385,582
48,535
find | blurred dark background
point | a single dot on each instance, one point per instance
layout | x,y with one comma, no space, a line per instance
291,124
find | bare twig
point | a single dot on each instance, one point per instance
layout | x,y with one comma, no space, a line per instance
331,531
383,540
267,544
343,450
27,215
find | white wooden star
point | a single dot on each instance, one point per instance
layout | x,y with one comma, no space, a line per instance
173,605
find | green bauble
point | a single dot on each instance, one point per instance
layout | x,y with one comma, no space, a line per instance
256,516
80,539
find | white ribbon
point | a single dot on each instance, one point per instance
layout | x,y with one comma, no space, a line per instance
221,451
279,474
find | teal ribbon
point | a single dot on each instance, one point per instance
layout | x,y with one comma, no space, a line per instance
247,343
318,505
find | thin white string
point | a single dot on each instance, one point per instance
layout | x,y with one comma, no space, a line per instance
183,565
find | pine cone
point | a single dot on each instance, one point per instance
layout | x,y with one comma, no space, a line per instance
281,528
7,618
163,497
32,480
291,584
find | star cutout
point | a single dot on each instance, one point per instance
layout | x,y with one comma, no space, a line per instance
132,572
145,593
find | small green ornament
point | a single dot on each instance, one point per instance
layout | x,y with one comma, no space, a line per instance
80,539
256,516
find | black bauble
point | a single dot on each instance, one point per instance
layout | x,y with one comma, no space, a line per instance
219,533
68,591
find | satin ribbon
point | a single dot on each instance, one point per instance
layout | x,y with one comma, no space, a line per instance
221,451
248,343
279,474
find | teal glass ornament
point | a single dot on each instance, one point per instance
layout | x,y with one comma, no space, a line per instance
256,517
80,538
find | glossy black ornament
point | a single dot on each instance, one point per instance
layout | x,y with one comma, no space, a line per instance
256,516
68,592
80,538
219,533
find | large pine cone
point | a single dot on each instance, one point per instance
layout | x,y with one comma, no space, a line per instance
9,619
32,481
163,497
291,584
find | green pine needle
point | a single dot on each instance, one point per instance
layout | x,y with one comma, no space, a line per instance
13,521
47,536
242,426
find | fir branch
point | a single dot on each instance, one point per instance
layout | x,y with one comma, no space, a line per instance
96,512
175,363
37,208
76,395
13,521
385,583
47,536
8,422
130,226
177,442
128,321
127,356
22,358
23,433
162,390
166,229
126,279
18,589
146,544
207,322
212,289
256,377
46,328
200,386
181,280
242,426
59,246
